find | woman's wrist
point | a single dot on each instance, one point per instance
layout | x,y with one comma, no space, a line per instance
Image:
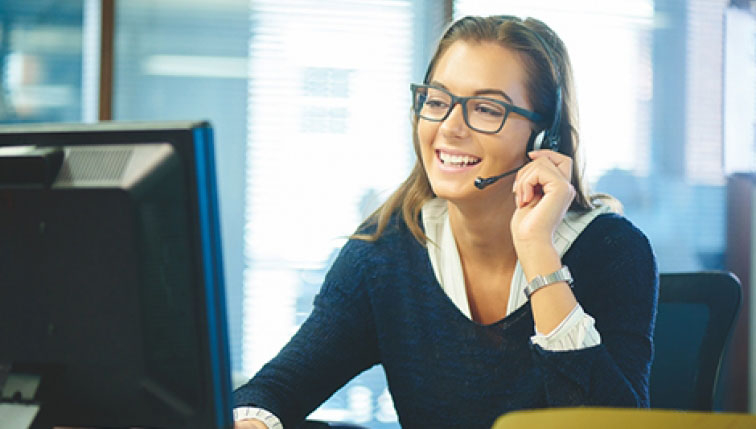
537,258
550,304
537,241
250,424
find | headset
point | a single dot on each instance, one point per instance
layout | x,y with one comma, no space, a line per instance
549,139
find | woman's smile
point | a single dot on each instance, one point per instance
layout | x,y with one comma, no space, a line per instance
450,160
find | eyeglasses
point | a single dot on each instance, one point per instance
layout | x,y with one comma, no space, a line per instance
483,114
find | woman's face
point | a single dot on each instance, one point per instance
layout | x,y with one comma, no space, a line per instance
453,154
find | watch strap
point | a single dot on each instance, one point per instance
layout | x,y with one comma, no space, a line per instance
561,275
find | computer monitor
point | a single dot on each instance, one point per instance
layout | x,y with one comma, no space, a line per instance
111,286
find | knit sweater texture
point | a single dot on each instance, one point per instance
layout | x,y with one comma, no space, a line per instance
381,304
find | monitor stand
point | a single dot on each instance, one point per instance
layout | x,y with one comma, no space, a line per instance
17,407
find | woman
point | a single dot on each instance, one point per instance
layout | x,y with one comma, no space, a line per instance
478,300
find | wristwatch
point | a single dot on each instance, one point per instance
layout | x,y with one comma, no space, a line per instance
560,275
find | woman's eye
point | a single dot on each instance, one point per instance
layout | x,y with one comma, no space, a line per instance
436,103
490,110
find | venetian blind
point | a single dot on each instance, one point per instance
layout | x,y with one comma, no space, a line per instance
328,135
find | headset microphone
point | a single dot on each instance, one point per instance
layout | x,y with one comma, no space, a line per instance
481,182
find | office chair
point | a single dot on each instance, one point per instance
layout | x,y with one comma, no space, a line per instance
695,318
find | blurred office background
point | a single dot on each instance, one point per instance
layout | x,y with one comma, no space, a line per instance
310,103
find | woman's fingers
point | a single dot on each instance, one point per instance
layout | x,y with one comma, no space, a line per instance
561,161
548,172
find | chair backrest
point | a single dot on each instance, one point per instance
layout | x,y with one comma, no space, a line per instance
694,321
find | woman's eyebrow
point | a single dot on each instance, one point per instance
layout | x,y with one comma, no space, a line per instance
489,91
484,91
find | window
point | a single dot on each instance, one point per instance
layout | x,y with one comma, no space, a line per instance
43,58
328,135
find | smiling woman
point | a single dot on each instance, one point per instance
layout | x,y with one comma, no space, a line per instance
479,300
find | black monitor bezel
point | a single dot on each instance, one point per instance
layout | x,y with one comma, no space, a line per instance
193,142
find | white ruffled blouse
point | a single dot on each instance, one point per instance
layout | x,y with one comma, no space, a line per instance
576,331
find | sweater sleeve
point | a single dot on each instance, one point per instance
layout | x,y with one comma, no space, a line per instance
616,281
333,345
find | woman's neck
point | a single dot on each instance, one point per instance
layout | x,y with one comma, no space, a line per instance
482,231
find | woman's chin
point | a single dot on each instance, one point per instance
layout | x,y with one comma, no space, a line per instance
457,190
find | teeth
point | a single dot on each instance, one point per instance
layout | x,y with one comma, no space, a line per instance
460,160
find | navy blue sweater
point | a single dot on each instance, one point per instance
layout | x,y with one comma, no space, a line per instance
381,304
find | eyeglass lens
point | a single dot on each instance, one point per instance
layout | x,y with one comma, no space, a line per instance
480,113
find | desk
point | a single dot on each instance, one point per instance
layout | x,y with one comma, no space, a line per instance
622,418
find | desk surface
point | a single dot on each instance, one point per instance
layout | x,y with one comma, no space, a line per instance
623,418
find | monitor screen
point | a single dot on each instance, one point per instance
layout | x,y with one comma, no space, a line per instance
111,287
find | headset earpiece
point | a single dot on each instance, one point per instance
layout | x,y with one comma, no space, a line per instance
542,140
549,138
535,140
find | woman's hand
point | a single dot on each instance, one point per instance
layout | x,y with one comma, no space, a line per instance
543,193
250,424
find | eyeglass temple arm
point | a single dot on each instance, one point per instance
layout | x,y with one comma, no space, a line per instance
533,116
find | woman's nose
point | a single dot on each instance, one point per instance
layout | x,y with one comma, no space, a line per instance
454,124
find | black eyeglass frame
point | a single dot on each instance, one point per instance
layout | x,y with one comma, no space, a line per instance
508,107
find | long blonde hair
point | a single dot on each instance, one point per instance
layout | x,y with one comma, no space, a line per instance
519,36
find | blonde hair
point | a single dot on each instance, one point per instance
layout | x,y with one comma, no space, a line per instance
521,36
